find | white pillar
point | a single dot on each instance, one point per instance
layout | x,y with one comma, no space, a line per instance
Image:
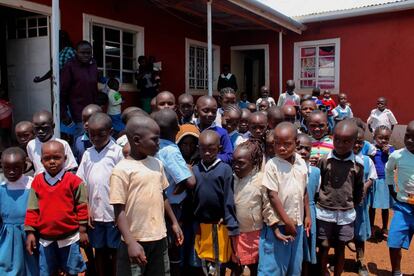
55,65
280,62
209,50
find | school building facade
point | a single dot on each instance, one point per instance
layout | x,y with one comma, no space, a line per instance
365,52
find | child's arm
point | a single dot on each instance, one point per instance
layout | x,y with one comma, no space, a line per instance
308,219
32,216
390,167
226,153
358,186
81,207
179,237
230,218
277,205
135,251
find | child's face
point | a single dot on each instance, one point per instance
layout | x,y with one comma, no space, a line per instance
382,137
13,166
264,92
317,126
230,120
209,150
409,138
227,99
285,144
244,122
43,128
342,100
186,108
304,148
258,126
243,97
381,104
84,53
251,107
359,143
263,106
24,134
149,141
188,146
99,135
165,101
207,111
270,146
326,94
343,141
53,159
306,108
242,162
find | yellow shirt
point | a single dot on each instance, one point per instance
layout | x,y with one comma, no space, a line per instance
289,181
139,185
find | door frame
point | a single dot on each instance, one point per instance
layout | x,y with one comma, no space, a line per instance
264,47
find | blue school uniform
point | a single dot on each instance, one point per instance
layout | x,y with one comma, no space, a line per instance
309,243
362,226
380,195
14,259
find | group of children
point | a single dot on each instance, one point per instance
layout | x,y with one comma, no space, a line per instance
195,188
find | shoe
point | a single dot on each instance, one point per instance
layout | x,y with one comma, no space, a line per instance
351,246
362,269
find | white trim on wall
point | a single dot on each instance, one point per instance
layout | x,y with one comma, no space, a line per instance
216,69
264,47
27,6
297,66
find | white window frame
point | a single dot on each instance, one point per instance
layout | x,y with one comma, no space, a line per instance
297,61
89,19
216,69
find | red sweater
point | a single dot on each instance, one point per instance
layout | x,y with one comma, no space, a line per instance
330,104
56,211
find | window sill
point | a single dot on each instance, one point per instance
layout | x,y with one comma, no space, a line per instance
198,92
309,91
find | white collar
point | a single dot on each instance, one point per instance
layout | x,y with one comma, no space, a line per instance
211,166
22,183
52,180
351,157
228,76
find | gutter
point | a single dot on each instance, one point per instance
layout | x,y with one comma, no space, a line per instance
270,14
334,15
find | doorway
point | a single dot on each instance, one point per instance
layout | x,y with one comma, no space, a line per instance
250,65
25,53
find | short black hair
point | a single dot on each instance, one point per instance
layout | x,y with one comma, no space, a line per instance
14,151
101,118
83,43
167,120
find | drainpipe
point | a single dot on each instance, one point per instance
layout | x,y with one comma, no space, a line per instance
55,65
280,63
209,50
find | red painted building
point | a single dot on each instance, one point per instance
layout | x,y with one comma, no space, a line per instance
365,53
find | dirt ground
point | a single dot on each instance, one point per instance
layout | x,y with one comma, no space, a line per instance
377,258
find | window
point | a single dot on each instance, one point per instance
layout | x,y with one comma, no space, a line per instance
196,66
317,64
27,27
116,46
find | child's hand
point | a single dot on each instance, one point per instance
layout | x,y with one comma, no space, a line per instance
365,191
290,228
179,189
90,222
386,149
179,237
308,224
282,237
30,242
136,254
84,240
235,259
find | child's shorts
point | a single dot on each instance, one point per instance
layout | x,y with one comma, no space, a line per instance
402,226
68,259
104,235
247,247
280,258
333,232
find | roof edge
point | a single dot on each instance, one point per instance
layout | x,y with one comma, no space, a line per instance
378,9
270,14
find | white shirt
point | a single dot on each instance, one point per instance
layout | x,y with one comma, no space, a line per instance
381,118
115,101
287,99
289,181
95,170
34,151
270,100
122,141
52,180
23,183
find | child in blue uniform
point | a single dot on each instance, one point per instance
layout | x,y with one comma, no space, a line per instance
362,230
380,194
304,148
14,194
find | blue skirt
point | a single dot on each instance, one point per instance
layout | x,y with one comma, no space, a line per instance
362,224
380,196
309,243
117,123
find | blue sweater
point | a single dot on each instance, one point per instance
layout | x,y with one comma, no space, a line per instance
214,196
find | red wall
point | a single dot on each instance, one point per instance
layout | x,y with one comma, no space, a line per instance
376,59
